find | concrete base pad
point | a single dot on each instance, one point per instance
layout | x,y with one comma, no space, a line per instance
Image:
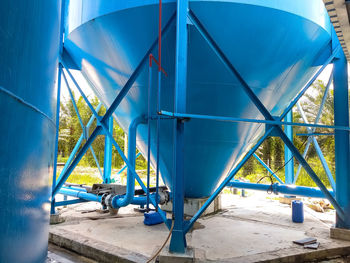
56,219
340,233
166,257
192,205
253,229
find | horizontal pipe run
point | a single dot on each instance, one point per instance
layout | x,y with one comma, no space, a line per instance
232,119
141,200
315,134
76,188
84,196
70,202
80,194
281,189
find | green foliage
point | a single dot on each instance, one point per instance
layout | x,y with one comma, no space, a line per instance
272,150
71,130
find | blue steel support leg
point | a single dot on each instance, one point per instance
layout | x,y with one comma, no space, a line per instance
149,134
107,164
288,156
178,238
59,79
341,117
54,175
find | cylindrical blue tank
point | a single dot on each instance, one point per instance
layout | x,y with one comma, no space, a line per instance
29,43
276,46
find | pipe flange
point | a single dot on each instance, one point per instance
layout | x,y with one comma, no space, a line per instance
164,197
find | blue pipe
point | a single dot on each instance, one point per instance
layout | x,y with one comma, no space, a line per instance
288,156
130,185
149,134
80,194
76,188
281,189
234,119
107,164
136,200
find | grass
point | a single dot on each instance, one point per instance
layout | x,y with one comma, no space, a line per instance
91,175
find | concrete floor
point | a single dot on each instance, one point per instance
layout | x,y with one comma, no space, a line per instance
252,229
59,255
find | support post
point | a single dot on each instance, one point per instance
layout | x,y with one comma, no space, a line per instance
341,117
107,164
59,79
288,156
178,238
54,175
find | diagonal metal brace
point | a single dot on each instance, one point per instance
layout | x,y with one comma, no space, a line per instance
264,111
102,121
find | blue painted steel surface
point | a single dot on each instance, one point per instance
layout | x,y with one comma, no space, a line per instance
109,67
107,164
342,155
288,156
130,186
178,237
81,194
29,48
107,43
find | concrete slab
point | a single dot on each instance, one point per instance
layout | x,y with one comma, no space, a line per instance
192,205
256,228
166,257
340,233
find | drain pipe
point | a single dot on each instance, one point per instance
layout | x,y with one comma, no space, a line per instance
121,201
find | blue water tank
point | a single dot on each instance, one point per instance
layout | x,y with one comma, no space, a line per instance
29,43
276,46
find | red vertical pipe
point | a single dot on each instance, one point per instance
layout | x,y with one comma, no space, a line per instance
160,37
